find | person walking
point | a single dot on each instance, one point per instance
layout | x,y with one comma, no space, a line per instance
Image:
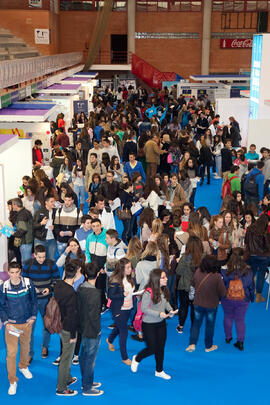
156,308
89,302
239,283
18,312
66,298
121,287
209,288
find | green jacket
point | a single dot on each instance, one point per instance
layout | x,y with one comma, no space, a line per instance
24,226
235,183
185,270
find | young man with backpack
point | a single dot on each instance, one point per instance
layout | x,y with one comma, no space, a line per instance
65,296
18,312
254,185
232,182
43,273
116,250
89,302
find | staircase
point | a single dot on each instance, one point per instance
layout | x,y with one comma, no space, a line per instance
149,74
12,47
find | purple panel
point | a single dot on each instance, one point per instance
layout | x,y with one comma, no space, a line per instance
5,138
64,87
26,113
75,79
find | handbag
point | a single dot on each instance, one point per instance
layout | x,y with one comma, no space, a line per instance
123,214
170,158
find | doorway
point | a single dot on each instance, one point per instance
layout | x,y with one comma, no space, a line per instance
118,48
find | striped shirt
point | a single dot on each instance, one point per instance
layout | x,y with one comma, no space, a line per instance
42,275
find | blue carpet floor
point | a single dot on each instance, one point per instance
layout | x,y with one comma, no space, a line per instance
226,376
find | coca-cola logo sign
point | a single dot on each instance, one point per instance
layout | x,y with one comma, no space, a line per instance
236,43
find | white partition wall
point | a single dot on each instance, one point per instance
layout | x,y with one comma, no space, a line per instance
237,108
17,162
259,113
3,219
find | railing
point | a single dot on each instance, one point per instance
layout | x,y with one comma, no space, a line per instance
113,57
90,5
19,71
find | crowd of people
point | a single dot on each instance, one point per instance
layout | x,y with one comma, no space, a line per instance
71,260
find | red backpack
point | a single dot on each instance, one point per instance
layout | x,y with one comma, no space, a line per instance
227,187
137,323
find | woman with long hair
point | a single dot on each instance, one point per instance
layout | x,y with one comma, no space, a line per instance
66,169
205,217
117,168
235,304
185,183
72,251
219,239
145,223
196,229
150,259
134,251
258,249
191,168
93,190
209,289
156,308
64,190
121,287
106,160
155,193
186,268
157,230
78,174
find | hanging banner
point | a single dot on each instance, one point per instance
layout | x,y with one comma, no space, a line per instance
236,43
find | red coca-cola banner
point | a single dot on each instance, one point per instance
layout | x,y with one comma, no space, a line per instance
236,43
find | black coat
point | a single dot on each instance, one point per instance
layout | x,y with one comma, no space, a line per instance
40,231
226,159
89,304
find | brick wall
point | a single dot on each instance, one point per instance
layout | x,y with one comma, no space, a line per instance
22,23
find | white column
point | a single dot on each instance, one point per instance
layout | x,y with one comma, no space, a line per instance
131,14
206,36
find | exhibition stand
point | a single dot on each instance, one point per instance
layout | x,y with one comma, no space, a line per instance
237,108
259,122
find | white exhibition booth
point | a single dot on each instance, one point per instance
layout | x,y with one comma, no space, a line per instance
259,112
15,162
237,108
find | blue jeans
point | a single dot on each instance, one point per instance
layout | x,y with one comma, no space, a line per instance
259,266
80,191
61,247
128,229
171,288
121,329
42,303
199,314
26,252
192,197
87,358
50,245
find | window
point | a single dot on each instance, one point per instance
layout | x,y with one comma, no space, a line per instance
169,5
241,5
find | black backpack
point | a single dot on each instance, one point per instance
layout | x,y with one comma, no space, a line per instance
251,187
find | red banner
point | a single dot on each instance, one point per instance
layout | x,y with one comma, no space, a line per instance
236,43
149,74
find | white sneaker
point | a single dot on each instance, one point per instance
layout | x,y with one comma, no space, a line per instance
26,373
134,365
163,375
12,389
